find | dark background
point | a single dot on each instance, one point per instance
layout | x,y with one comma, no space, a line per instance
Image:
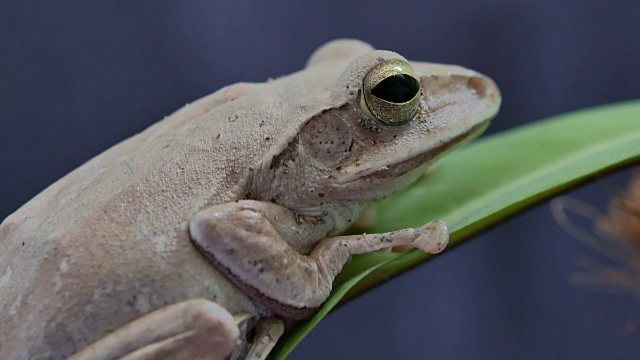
76,77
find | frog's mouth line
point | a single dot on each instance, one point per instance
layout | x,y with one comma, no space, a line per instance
402,167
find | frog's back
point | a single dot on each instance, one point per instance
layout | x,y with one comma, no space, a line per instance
109,242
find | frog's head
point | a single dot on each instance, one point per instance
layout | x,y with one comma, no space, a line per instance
387,120
400,116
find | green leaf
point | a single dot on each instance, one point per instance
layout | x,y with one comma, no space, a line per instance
486,182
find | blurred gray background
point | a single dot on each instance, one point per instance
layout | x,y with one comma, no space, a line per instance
76,77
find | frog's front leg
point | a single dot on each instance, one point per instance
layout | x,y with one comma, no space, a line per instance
192,329
254,243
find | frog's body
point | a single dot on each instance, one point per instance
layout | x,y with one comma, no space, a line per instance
111,241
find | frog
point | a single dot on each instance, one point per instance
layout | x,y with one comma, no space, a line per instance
211,232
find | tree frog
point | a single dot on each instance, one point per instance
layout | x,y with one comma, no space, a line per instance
203,235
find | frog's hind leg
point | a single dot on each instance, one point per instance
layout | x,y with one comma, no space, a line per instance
192,329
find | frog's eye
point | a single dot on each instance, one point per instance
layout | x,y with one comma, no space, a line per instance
390,92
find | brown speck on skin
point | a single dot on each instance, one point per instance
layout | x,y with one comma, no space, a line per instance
267,138
218,137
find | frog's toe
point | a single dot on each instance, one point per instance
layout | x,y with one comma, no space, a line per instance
432,238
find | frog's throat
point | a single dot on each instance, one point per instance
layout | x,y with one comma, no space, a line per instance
406,165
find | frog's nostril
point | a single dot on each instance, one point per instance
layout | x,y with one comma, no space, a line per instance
477,84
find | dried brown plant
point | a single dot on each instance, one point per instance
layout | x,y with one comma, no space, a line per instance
615,235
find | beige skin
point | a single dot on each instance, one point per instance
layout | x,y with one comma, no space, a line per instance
177,241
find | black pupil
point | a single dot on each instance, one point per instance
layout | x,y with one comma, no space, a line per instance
398,88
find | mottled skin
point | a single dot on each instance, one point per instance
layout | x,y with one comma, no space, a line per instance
111,241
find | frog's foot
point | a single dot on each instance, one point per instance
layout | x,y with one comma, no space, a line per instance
254,244
192,329
268,331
